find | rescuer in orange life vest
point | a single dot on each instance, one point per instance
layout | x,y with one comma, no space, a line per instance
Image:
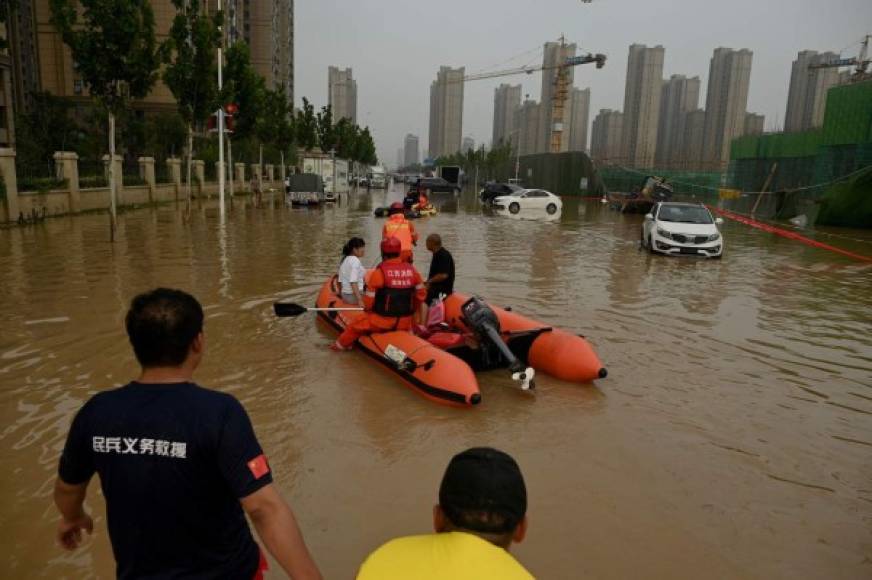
394,292
399,227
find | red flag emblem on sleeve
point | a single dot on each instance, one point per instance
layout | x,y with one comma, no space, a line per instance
258,466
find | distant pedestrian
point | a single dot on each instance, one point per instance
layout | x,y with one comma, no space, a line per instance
254,186
482,509
179,465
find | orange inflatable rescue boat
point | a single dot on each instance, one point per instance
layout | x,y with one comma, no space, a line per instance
438,362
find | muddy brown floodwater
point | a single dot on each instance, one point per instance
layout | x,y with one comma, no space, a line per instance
731,439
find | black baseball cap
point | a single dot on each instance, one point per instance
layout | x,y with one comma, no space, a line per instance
483,491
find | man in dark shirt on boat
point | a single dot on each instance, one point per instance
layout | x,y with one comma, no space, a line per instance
440,279
179,465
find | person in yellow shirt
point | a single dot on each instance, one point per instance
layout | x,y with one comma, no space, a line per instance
482,509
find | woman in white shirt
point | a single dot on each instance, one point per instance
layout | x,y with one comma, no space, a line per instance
352,272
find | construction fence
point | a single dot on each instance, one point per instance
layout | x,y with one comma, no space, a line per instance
822,173
570,173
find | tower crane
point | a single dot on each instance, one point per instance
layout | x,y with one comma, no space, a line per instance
561,86
860,63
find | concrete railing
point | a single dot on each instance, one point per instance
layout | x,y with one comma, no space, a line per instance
74,199
18,205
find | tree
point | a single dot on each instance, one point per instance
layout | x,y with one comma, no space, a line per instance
45,128
244,87
306,126
500,160
165,135
115,50
191,72
326,134
274,127
283,122
346,134
366,153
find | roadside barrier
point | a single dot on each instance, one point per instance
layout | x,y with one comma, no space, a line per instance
787,234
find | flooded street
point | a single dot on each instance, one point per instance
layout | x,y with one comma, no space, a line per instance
731,439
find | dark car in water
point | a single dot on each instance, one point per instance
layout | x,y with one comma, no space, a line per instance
493,189
435,185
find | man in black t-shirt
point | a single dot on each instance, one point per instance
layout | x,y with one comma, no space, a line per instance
440,280
179,465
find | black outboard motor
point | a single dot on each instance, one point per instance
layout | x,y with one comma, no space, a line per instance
486,325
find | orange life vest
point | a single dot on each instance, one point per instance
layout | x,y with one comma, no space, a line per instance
397,297
398,227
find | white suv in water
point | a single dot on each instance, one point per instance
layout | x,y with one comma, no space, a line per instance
682,228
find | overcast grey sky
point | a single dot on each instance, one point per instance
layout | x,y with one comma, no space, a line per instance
396,46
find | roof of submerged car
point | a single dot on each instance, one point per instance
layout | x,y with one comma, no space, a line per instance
681,204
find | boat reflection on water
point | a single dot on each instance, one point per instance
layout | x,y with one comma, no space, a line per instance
540,215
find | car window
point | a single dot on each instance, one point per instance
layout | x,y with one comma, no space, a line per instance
686,214
537,193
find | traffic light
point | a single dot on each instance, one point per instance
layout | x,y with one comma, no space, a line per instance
229,110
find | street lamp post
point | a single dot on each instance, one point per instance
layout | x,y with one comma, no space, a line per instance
221,119
333,158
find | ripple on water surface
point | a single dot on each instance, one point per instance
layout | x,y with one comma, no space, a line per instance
734,424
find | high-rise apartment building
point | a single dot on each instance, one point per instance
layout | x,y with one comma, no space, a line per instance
726,104
679,96
527,121
468,145
43,62
690,156
22,51
342,94
578,117
267,27
605,142
446,111
507,100
410,151
808,90
555,54
754,124
642,104
7,95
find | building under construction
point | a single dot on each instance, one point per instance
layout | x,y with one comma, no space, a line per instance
798,170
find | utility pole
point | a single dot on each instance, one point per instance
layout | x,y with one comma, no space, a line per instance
222,168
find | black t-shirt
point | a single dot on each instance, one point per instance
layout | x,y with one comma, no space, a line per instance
443,263
174,460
